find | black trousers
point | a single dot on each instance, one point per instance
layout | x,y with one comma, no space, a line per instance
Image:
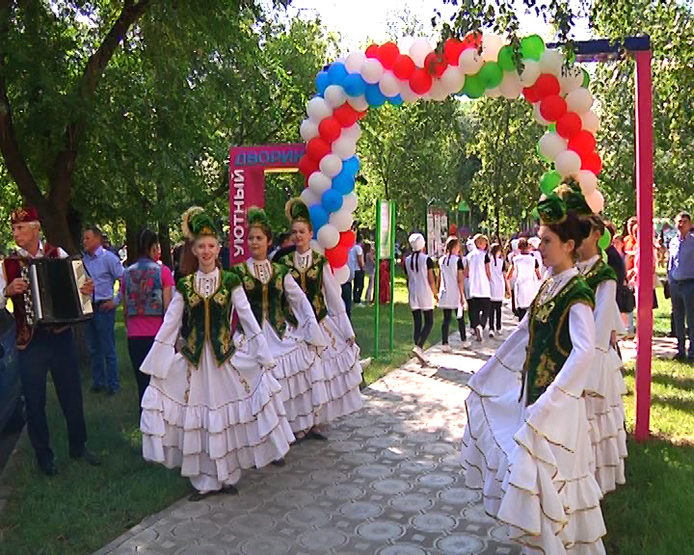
138,347
479,311
54,353
447,316
422,330
520,312
347,297
495,315
358,287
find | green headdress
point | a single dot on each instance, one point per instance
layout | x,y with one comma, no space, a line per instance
297,211
257,217
570,192
195,223
551,210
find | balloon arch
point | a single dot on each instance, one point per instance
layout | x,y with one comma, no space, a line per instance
480,64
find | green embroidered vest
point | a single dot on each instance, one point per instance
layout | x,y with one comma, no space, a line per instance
600,272
310,280
269,300
207,319
550,343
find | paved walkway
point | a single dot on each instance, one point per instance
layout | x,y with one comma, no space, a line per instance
387,482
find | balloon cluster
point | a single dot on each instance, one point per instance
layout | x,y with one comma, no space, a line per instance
479,64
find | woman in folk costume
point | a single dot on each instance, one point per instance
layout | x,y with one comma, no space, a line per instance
527,445
421,284
311,271
212,408
605,386
452,292
290,328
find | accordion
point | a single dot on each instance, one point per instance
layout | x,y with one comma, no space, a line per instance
54,294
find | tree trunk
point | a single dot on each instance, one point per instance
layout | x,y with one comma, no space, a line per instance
165,242
131,234
57,229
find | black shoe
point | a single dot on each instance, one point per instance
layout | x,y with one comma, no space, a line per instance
314,434
279,462
97,389
88,457
112,392
229,490
48,468
681,357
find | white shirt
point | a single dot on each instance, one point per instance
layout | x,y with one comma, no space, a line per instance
497,283
420,294
477,275
353,259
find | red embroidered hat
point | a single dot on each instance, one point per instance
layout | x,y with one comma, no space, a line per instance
25,214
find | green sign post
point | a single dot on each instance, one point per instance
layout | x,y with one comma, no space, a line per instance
385,249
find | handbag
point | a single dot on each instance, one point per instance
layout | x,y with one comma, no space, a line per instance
666,288
626,300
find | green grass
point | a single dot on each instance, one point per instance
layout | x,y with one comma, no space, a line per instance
661,315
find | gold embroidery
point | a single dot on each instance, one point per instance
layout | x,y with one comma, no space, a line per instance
545,372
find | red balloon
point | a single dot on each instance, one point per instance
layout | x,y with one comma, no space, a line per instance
582,142
307,165
403,67
346,115
546,85
452,49
591,161
530,94
329,129
347,239
371,51
435,64
420,81
387,53
316,149
569,124
552,107
337,256
472,39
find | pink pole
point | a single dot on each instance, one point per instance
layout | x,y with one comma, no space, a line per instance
644,213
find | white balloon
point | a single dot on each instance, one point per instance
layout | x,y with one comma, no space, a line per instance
531,71
567,163
389,84
344,147
551,61
318,109
309,197
315,245
349,202
371,70
470,61
341,274
491,44
352,132
335,96
493,93
342,219
538,116
551,144
330,165
588,182
318,183
407,94
354,61
596,201
510,86
328,236
419,50
437,92
453,80
591,122
570,79
579,100
359,103
308,130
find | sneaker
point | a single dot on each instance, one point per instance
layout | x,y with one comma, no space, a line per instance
446,349
466,344
491,334
365,362
478,333
417,352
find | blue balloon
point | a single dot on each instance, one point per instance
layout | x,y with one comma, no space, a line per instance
343,182
319,217
350,166
322,81
354,84
331,200
337,73
395,100
374,96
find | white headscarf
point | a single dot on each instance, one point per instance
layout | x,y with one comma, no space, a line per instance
417,242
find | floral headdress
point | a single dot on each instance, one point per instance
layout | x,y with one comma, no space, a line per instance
196,223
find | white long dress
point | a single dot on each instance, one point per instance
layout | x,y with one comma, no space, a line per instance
212,421
420,295
526,282
497,282
341,365
532,463
298,366
605,387
449,290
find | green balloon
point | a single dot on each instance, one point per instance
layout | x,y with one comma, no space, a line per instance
532,47
474,87
605,240
553,127
549,181
586,79
490,75
535,214
505,60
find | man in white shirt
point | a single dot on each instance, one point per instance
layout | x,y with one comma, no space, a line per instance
355,260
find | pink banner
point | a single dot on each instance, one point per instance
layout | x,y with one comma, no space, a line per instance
247,167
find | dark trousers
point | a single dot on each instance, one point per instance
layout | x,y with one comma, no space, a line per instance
479,311
101,341
447,316
347,297
495,315
54,352
138,347
358,286
520,312
682,293
422,330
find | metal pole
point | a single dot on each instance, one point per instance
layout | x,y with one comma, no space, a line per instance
393,213
644,213
377,259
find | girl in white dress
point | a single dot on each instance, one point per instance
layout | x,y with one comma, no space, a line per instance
525,270
478,273
292,333
452,292
526,444
498,286
421,285
213,408
340,360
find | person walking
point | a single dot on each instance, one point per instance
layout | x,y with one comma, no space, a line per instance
498,287
421,284
105,269
452,292
525,270
478,273
356,263
370,269
681,276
